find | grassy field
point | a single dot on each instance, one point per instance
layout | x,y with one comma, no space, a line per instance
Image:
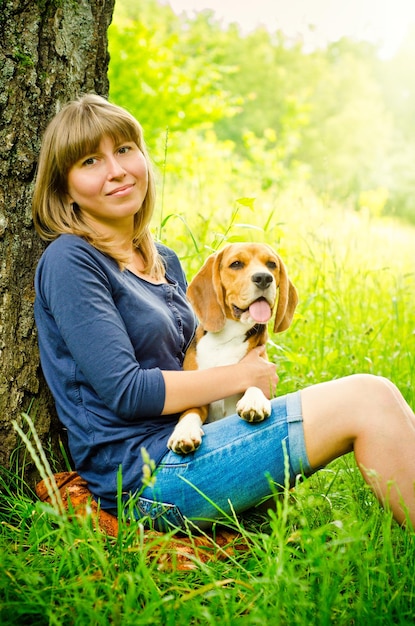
326,553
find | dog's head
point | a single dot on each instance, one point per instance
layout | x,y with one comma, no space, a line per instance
246,282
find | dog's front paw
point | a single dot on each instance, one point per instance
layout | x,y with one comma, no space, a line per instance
253,406
187,435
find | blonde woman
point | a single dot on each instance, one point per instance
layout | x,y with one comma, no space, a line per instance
114,324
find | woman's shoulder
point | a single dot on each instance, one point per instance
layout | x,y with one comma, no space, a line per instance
69,264
70,257
70,249
66,242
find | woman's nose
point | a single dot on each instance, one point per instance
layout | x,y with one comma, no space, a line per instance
114,167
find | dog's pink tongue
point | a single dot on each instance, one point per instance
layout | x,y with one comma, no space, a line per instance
260,311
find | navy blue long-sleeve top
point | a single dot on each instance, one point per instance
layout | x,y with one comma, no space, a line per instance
104,337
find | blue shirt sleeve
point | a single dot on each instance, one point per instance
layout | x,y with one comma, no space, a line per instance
84,325
105,336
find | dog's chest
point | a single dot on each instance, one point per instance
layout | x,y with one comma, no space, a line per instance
223,348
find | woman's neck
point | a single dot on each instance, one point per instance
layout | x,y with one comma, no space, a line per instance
138,267
120,233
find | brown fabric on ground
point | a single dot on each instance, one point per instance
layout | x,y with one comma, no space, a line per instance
180,551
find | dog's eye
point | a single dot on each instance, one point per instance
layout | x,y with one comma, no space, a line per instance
236,265
271,265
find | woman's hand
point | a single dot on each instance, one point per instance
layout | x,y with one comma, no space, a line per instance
191,388
260,372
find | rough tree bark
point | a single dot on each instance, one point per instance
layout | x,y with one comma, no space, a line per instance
50,51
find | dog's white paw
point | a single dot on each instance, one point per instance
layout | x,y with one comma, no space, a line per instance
187,435
253,406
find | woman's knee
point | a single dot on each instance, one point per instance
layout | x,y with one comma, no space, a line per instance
380,407
382,389
350,394
372,389
336,413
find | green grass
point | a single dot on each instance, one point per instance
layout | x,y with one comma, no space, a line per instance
326,553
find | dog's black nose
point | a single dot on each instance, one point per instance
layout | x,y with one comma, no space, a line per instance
262,280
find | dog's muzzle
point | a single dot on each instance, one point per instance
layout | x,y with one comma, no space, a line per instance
262,280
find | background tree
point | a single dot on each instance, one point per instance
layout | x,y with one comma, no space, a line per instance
50,51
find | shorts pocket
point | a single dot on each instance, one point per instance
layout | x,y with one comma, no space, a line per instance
160,516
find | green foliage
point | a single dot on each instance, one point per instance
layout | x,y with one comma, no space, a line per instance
398,89
339,118
325,553
161,73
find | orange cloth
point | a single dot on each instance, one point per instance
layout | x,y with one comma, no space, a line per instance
181,550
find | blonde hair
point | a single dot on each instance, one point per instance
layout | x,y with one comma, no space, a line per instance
75,131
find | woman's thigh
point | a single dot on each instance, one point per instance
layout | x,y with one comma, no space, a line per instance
237,465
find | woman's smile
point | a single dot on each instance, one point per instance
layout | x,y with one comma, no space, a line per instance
121,191
109,185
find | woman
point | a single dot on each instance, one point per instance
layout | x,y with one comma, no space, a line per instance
114,324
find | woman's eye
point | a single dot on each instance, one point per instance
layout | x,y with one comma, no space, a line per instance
124,149
89,161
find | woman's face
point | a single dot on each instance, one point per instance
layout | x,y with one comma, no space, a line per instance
109,185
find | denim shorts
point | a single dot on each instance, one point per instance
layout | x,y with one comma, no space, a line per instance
237,466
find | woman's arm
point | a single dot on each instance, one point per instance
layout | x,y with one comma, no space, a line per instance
75,290
193,388
83,337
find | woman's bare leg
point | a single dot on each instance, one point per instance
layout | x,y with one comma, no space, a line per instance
366,414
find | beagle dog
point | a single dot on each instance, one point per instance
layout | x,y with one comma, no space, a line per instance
234,295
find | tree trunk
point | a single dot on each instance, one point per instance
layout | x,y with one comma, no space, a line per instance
50,52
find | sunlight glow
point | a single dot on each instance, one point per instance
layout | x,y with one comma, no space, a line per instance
316,22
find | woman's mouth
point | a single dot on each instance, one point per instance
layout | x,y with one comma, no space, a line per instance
124,190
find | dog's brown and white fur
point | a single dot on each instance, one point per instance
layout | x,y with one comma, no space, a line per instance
234,295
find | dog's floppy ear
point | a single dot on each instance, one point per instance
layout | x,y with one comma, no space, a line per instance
205,295
287,301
